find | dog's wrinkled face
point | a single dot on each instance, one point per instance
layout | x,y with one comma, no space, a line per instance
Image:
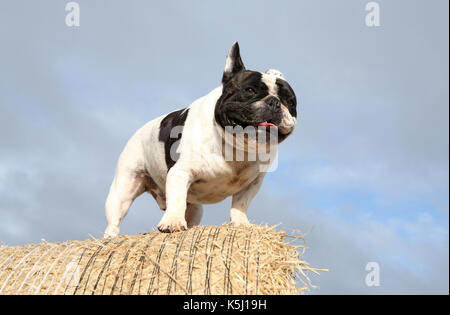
251,98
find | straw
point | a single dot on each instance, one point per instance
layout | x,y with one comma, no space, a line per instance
202,260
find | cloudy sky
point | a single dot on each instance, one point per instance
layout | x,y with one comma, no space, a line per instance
365,174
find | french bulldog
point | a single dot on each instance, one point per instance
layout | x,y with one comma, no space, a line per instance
181,158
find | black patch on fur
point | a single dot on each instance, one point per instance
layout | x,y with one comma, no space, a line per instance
177,118
235,105
287,96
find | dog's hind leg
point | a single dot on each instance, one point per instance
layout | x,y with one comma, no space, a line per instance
194,213
125,188
156,192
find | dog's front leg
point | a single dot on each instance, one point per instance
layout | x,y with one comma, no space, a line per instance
241,201
177,184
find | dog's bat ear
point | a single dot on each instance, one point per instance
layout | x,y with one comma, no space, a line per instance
233,63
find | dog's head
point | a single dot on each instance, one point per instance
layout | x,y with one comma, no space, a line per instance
251,98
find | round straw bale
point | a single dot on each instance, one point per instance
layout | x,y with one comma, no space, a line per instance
201,260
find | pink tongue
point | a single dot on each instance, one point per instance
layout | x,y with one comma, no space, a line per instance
266,124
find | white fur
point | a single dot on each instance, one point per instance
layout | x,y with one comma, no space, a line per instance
271,82
276,73
288,122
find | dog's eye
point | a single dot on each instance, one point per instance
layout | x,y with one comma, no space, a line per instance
250,91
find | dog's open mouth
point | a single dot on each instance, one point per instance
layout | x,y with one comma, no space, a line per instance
265,124
270,128
267,127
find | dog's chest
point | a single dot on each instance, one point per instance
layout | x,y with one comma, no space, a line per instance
215,186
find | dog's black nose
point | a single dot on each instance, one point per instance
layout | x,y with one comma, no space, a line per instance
273,102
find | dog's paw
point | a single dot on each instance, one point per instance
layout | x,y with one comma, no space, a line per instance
240,221
111,231
169,224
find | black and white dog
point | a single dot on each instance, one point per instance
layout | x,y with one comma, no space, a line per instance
180,158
